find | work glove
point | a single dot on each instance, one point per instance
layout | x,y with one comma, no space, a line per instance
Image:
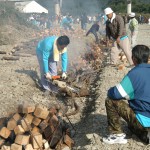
48,76
64,75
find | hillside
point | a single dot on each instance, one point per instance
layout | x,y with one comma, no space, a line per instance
13,25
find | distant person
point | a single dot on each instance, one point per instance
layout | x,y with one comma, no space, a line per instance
48,51
99,17
78,20
134,88
90,19
94,29
104,19
133,26
84,21
115,31
66,22
94,18
140,19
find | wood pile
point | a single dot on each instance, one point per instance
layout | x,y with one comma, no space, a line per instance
34,128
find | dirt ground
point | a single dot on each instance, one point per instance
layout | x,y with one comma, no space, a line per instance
93,124
17,86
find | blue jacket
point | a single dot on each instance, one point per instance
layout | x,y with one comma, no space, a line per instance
45,49
135,87
65,21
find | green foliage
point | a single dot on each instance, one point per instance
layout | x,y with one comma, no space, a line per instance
138,6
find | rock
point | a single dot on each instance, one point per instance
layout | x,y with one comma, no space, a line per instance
89,136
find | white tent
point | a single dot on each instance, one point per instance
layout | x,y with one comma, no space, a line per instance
30,7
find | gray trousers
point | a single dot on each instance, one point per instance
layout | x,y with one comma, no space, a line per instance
47,85
134,38
116,49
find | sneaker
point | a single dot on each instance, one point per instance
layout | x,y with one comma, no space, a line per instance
115,139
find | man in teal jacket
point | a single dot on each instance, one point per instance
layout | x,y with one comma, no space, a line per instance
135,88
48,51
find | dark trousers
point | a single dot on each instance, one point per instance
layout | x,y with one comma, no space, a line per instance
94,33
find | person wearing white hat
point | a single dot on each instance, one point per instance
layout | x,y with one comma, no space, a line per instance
133,27
115,30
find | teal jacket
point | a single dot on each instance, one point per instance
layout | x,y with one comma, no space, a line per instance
135,88
45,50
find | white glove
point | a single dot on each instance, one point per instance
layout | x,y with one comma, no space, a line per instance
48,76
64,75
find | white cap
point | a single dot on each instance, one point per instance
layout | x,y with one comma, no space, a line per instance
132,14
108,10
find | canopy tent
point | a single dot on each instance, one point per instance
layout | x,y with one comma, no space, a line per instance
30,7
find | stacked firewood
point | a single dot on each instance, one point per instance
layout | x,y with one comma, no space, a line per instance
34,128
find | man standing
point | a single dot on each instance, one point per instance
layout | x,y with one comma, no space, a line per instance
115,30
48,51
135,88
94,29
133,26
84,21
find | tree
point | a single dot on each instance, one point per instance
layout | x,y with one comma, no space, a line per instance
138,6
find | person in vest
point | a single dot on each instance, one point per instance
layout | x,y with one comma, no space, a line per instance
48,52
133,27
134,88
115,31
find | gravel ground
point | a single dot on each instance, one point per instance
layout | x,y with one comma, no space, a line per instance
17,85
93,125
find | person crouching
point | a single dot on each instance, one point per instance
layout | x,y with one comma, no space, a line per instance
48,52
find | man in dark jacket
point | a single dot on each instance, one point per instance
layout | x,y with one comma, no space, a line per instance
94,29
115,30
134,87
